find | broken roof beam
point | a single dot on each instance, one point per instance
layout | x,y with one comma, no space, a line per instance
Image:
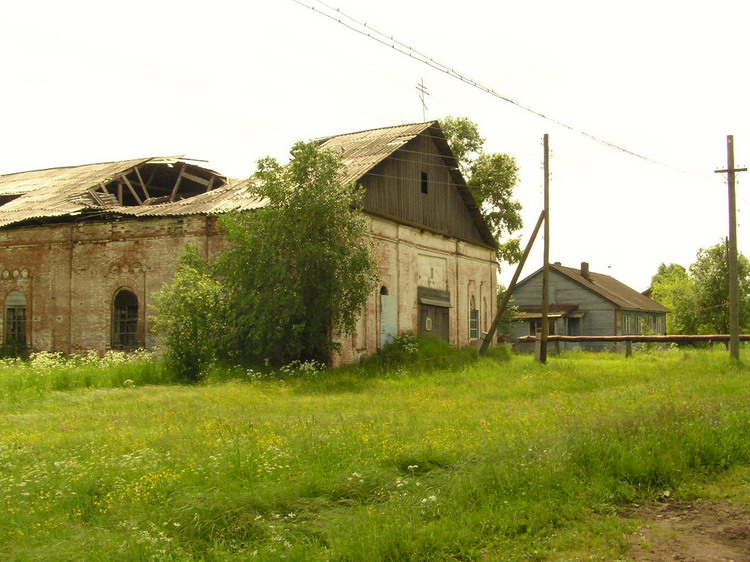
177,184
197,179
143,184
131,188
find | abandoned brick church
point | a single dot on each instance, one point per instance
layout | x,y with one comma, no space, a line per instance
84,249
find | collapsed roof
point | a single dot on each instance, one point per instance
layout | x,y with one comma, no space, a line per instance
163,186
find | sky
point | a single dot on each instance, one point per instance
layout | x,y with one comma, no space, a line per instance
230,82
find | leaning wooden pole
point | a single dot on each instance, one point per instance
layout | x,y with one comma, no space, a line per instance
509,291
545,271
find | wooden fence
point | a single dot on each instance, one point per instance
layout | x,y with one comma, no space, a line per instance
630,340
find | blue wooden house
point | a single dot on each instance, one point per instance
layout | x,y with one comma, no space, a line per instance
584,303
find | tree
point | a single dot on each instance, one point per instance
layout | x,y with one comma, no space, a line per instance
491,178
298,271
710,273
673,287
698,296
190,315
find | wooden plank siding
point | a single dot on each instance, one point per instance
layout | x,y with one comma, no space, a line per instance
394,190
601,314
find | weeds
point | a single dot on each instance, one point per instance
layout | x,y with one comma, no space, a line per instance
497,459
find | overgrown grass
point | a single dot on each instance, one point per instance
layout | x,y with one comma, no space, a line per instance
492,459
45,372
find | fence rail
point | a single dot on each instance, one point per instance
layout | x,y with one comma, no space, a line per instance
638,338
631,339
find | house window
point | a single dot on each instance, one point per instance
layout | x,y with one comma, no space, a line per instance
425,185
473,321
15,320
631,325
535,326
125,320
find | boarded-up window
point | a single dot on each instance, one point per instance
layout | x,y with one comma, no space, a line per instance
15,320
125,320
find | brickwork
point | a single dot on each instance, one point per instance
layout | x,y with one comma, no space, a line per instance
406,256
70,274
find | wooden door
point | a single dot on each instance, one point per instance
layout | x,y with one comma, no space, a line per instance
388,319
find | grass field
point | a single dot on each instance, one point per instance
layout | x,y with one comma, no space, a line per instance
491,459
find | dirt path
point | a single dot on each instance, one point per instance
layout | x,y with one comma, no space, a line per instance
706,531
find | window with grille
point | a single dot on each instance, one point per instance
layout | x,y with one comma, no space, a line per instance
473,321
15,320
125,320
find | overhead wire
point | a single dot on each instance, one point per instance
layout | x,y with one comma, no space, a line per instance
363,28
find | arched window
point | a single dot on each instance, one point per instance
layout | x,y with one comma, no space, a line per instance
473,320
15,320
125,319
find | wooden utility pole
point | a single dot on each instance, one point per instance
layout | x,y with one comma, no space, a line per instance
734,299
545,271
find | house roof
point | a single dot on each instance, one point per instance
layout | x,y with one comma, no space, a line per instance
362,151
184,188
606,287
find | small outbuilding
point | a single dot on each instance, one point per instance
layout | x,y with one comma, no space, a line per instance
584,303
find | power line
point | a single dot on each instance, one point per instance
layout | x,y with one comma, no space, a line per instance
391,42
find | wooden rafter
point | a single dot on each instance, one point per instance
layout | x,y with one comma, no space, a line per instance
143,184
131,188
196,179
177,184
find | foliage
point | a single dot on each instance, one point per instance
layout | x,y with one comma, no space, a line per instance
298,271
491,178
506,323
487,461
711,277
698,296
191,315
45,372
673,287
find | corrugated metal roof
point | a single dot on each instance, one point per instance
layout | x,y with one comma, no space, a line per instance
61,192
362,151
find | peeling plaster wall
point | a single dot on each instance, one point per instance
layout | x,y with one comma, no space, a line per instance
410,257
70,273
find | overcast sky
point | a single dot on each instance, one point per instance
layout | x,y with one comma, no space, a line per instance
233,81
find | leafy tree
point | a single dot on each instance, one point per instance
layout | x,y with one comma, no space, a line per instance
710,274
298,271
190,316
698,296
673,287
491,178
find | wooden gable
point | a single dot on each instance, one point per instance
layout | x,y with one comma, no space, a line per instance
416,185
